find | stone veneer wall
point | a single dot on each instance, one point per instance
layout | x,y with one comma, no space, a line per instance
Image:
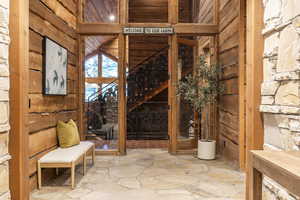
281,86
4,103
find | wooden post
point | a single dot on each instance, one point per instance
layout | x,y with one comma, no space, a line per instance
173,74
81,86
122,95
19,75
173,11
216,11
254,70
215,60
80,11
173,118
123,13
242,76
81,74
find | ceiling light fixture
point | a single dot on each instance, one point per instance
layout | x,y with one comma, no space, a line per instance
112,18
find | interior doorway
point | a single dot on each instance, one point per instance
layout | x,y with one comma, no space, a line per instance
101,100
147,91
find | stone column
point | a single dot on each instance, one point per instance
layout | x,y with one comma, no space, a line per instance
4,100
281,86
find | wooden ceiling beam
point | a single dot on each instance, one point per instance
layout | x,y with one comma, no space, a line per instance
92,54
196,29
114,58
188,42
101,80
99,29
102,51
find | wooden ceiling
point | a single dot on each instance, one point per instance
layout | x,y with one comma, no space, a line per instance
101,11
92,43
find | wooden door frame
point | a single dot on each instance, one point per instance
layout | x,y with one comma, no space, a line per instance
19,76
89,29
198,30
84,30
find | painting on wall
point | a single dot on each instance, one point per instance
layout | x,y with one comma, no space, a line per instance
55,62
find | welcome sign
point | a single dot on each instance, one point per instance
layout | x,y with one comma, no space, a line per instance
148,30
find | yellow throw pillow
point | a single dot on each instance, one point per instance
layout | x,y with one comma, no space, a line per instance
76,129
67,134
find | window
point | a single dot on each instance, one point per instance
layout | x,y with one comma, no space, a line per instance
109,67
109,70
90,90
91,67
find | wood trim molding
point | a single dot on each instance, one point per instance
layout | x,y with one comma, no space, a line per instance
19,76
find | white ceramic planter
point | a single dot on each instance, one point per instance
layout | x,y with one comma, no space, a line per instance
206,149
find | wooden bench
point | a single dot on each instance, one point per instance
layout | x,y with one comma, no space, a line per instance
282,167
67,158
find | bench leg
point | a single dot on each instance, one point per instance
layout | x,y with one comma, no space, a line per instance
256,184
255,181
57,171
93,155
84,163
39,176
73,175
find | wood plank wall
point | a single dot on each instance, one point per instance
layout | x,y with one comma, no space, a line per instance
55,19
229,59
203,11
149,11
228,116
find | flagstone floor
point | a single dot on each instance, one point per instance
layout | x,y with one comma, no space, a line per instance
149,174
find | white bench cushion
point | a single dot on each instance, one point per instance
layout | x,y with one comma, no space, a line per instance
66,155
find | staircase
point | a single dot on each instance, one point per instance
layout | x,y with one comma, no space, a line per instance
147,101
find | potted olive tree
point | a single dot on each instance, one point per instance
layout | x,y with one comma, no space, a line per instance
200,90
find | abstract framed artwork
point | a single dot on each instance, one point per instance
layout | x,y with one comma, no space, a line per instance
55,64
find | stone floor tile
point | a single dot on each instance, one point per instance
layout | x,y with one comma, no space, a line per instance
149,174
